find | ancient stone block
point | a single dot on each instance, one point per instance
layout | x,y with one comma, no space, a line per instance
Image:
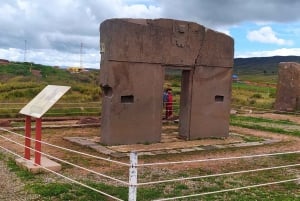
165,41
134,54
288,87
210,102
131,111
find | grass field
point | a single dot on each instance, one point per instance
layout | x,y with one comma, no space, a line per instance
60,189
18,86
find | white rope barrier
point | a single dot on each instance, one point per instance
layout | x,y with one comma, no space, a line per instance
58,113
216,175
79,103
13,103
188,178
63,176
66,149
81,112
79,107
63,161
10,108
217,159
228,190
1,103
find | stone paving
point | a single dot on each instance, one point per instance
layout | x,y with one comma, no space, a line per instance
170,144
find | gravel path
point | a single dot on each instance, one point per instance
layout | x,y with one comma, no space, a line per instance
11,187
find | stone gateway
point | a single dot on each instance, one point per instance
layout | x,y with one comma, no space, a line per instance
134,55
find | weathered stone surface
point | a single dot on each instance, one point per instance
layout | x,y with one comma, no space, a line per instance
5,123
134,54
288,87
210,104
131,112
164,41
88,120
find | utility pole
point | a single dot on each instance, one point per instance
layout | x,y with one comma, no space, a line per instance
25,50
81,46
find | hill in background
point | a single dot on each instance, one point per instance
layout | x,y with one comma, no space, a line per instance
261,65
21,81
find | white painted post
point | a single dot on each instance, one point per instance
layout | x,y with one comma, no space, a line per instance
133,176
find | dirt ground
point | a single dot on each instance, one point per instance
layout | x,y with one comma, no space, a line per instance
292,118
55,136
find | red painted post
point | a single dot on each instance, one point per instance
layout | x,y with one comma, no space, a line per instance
27,137
38,138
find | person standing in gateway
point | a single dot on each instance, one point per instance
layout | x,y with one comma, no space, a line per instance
169,104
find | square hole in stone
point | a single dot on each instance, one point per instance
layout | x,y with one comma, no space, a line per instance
219,98
127,99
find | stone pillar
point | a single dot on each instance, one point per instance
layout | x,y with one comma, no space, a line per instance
288,87
210,104
132,105
211,91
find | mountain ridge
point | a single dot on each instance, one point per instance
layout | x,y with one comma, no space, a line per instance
253,65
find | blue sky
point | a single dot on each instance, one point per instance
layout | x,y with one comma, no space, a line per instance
252,39
54,29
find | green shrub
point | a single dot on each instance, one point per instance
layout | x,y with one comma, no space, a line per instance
256,96
252,101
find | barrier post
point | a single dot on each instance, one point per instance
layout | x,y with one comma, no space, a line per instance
27,137
38,138
133,177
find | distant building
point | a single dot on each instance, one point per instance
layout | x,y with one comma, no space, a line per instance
76,70
4,61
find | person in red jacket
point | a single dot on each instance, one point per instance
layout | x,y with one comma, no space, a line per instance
169,104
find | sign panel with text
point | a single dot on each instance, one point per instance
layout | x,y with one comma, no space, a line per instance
40,104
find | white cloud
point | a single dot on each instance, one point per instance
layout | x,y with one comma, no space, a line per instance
224,30
58,27
267,35
12,54
214,13
277,52
139,11
90,57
